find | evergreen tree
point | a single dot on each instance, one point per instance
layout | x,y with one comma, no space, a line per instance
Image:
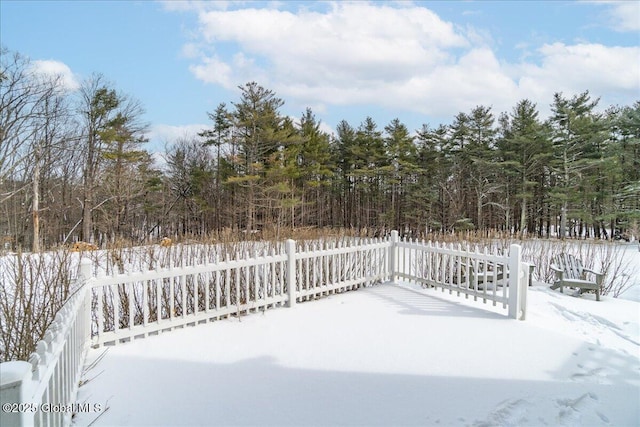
431,193
458,189
401,170
256,120
483,170
572,125
369,155
624,212
315,162
525,152
218,136
123,137
344,155
109,119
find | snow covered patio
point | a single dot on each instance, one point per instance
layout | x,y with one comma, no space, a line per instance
381,355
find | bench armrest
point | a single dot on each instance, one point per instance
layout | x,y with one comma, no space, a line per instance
557,269
588,270
599,276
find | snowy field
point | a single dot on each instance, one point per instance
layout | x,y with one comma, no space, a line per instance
385,355
631,254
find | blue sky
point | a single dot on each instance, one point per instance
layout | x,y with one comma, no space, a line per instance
420,61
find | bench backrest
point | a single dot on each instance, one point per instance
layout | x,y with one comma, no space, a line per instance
572,266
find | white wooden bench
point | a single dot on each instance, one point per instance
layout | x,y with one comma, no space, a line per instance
484,275
571,273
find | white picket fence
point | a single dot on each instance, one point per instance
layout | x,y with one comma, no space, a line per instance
120,308
481,275
131,306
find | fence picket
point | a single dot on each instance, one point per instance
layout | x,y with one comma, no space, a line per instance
116,309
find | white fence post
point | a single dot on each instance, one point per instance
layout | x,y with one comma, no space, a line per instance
84,274
527,271
291,271
15,384
393,249
515,280
84,270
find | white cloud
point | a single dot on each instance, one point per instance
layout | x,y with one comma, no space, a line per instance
621,16
191,51
574,68
213,70
588,64
56,69
404,58
162,134
337,57
624,15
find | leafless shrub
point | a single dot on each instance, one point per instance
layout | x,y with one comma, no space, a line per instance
27,306
605,257
33,287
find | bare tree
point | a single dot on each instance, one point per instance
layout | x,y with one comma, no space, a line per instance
32,115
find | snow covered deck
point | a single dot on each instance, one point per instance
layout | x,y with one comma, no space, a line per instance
384,355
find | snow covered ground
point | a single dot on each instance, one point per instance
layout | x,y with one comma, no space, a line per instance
384,355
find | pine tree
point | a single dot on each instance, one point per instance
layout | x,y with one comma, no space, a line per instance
401,170
525,152
368,153
218,136
459,185
256,120
315,162
572,126
99,106
122,153
344,156
483,170
624,169
430,195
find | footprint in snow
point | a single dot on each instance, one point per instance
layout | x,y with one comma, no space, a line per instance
572,410
603,417
597,375
512,412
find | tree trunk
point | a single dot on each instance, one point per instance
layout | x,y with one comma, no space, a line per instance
35,247
523,217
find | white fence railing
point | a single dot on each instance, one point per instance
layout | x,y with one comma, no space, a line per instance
322,271
120,308
130,306
476,274
42,391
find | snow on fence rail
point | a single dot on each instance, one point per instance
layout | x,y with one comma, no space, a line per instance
120,308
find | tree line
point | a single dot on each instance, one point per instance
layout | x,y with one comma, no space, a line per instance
74,167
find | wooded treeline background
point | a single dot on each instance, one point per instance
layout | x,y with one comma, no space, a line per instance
74,167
